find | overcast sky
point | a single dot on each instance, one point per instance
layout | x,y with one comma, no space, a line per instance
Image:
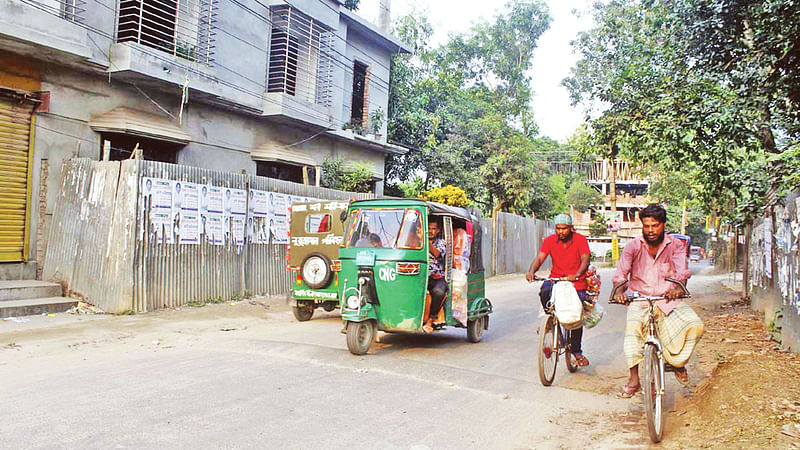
552,60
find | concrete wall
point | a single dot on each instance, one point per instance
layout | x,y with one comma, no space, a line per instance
363,49
774,269
223,113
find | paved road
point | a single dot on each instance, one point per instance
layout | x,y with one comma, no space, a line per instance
243,376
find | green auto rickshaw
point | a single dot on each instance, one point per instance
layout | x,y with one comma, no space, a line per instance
383,282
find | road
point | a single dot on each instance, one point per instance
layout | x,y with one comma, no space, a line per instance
247,375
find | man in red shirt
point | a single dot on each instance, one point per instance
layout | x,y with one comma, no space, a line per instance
569,252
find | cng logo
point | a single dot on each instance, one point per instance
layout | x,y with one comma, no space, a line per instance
387,273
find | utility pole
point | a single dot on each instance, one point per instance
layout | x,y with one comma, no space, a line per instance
683,217
613,187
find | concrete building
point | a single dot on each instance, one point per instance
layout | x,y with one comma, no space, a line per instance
267,87
632,195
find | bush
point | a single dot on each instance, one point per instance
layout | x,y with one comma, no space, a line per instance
609,254
449,195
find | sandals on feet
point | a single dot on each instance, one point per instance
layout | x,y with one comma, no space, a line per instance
580,360
628,391
681,375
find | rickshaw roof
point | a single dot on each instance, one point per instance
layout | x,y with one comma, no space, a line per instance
433,207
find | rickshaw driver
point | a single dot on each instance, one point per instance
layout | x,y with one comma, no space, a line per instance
437,285
570,255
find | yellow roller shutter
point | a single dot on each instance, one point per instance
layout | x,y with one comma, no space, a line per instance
15,160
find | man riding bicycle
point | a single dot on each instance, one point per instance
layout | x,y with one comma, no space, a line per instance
570,255
645,264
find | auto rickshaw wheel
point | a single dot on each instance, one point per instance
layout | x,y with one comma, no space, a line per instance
329,306
303,313
360,336
475,329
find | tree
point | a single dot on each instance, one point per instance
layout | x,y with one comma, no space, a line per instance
464,108
558,187
336,175
698,86
583,197
598,227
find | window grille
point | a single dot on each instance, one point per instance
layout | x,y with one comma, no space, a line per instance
71,10
300,56
184,28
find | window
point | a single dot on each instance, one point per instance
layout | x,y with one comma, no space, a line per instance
300,62
183,28
381,228
318,223
280,171
359,106
122,146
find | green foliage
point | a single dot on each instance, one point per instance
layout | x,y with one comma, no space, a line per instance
376,118
352,5
464,109
598,227
699,87
449,195
411,188
583,197
354,178
558,198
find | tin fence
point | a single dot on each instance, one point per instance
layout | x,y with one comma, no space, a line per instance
106,245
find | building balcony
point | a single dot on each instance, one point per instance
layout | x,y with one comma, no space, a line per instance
46,30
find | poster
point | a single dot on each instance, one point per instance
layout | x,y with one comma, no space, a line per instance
214,221
260,206
190,227
768,248
158,193
278,218
189,214
214,232
613,220
238,229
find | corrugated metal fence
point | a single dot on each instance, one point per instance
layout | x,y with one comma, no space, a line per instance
103,247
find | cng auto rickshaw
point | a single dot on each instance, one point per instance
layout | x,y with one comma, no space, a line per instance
315,235
383,282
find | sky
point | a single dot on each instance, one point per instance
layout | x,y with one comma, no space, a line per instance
552,61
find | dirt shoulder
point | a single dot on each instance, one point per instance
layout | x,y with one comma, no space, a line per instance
751,398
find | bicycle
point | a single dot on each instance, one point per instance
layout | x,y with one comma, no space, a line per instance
653,382
552,341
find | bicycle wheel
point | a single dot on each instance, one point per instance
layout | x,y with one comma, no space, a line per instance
653,392
571,367
548,350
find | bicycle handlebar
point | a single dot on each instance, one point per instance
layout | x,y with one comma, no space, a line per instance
646,298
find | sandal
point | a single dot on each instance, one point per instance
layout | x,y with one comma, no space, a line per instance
681,375
580,360
427,328
628,391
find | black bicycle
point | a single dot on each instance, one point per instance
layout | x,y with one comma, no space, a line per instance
552,340
653,383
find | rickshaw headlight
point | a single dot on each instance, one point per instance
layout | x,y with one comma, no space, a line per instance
362,281
353,302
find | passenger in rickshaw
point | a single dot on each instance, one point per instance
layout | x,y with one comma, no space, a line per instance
437,285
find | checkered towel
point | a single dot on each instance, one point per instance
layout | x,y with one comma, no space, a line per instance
678,332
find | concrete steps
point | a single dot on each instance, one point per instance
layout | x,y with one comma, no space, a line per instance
31,297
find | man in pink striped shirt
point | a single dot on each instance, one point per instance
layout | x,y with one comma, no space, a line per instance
645,264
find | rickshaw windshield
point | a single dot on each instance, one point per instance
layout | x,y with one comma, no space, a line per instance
380,228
